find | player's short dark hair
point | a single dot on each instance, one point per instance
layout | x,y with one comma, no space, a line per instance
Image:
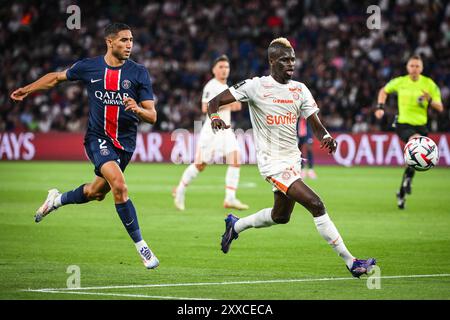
415,57
221,58
114,28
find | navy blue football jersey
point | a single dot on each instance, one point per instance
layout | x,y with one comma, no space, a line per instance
107,87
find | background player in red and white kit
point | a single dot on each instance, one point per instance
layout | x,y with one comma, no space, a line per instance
275,103
120,94
211,145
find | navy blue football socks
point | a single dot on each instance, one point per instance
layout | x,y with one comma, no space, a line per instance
127,214
310,157
126,211
74,196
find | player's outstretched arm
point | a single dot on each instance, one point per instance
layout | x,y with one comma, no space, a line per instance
46,82
234,106
146,110
326,140
382,96
222,98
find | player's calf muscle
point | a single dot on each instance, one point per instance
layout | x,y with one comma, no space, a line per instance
281,212
93,194
99,196
282,218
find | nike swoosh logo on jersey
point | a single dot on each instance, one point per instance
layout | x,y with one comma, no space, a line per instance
267,95
96,80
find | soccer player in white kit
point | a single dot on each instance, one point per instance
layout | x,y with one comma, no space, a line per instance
275,103
212,145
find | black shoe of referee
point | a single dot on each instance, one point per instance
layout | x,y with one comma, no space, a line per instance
401,200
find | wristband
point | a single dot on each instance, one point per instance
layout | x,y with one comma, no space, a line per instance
214,116
380,106
326,136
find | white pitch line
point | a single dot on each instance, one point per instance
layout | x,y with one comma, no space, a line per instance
163,285
118,295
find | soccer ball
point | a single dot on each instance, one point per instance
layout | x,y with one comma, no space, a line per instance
421,153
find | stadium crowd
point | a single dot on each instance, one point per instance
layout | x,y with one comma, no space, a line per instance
340,59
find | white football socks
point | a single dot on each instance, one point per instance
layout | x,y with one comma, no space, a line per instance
328,231
325,227
231,182
189,174
261,219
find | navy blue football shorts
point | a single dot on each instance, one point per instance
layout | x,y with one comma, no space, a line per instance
101,151
308,138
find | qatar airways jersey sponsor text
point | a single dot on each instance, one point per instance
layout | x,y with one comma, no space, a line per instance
111,97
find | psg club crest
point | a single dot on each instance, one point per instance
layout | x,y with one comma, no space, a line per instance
126,84
295,95
104,152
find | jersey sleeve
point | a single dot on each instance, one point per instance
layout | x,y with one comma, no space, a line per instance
308,105
207,94
244,90
392,85
145,91
77,70
434,91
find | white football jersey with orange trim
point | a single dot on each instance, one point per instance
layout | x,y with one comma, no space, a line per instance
212,89
223,142
274,111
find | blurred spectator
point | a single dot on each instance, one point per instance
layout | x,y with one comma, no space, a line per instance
339,58
360,126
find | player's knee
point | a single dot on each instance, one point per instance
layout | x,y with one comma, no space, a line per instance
120,189
317,207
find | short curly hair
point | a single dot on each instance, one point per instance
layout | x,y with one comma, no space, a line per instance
283,42
276,45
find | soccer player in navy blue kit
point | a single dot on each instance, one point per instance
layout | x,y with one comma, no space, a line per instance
120,94
305,138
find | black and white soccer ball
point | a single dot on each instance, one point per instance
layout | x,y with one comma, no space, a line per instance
421,153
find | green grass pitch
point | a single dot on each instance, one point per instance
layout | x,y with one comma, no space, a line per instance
290,261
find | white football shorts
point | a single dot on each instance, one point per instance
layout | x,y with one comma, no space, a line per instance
284,179
212,145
